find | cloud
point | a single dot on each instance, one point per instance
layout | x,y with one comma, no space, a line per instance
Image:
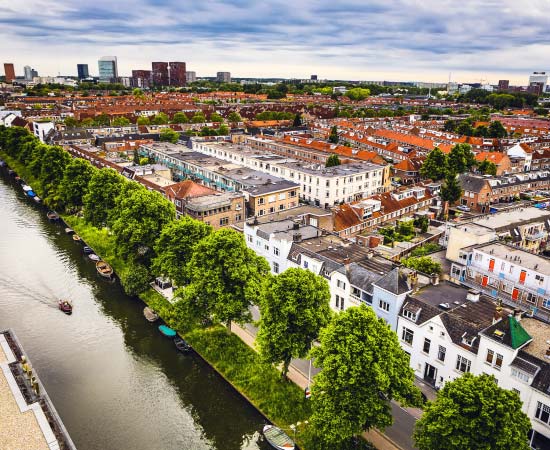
404,39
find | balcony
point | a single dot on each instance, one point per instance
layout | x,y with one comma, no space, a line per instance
535,236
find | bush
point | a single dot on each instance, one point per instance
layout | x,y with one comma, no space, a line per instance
423,264
135,279
430,247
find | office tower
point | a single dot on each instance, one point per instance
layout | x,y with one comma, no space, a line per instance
539,81
313,78
223,77
82,70
108,70
34,73
177,73
190,77
141,78
9,71
28,73
503,85
159,74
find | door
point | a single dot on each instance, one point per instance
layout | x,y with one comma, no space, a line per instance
491,265
515,294
430,374
484,280
522,277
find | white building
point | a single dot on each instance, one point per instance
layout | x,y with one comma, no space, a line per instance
539,77
41,129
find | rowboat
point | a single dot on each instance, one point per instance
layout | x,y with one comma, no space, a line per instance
87,250
150,315
69,230
94,257
167,331
65,306
76,238
104,269
37,199
26,187
277,438
181,344
52,215
3,163
31,194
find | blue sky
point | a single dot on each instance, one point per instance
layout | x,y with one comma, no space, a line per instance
366,40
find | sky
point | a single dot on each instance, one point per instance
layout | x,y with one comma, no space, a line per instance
405,40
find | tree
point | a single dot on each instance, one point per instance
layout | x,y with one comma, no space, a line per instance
422,223
435,165
139,216
103,188
465,128
52,168
120,121
294,306
357,93
451,191
297,120
135,279
333,136
175,245
461,158
226,277
180,117
215,117
169,135
423,264
333,160
497,130
234,117
363,369
138,93
87,122
70,122
160,119
223,130
198,117
143,120
473,412
74,184
102,120
487,167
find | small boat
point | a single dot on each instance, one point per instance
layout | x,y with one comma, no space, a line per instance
66,306
87,250
76,238
12,172
182,345
103,268
94,257
167,331
52,215
69,230
26,187
31,194
150,315
37,199
3,163
277,438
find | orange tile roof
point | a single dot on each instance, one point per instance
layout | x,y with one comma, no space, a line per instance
494,157
188,188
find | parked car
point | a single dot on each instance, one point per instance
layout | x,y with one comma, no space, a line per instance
463,208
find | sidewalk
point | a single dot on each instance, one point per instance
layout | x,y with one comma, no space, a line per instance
378,439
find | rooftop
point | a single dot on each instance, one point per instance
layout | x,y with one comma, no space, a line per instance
509,218
521,257
540,332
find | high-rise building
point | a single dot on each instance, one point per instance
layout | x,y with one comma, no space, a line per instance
141,78
223,77
9,71
190,77
82,70
28,73
177,73
159,74
313,78
108,69
503,85
34,73
539,81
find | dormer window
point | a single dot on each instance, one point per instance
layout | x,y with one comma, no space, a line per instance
410,315
468,340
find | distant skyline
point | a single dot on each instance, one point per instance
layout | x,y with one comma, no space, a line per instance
404,40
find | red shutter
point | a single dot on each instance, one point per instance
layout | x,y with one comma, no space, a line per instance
515,294
491,265
522,277
484,281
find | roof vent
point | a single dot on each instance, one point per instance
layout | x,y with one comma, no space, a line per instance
473,295
499,334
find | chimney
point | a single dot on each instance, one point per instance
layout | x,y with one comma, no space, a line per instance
412,279
434,279
517,314
297,237
296,225
473,295
498,313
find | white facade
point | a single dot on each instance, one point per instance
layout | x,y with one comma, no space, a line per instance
41,129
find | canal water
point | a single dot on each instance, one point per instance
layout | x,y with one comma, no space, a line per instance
115,381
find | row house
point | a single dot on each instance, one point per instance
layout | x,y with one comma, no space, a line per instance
541,159
515,276
499,159
448,331
408,171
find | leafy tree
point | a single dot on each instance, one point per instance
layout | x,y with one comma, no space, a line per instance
451,191
215,117
160,119
143,120
333,136
423,264
52,168
422,223
465,128
103,188
473,412
87,122
180,117
297,120
135,279
333,160
450,125
357,93
138,93
234,117
461,158
175,246
223,130
294,306
74,184
138,219
199,117
363,369
481,131
169,135
487,167
435,165
226,277
102,120
120,122
70,122
497,130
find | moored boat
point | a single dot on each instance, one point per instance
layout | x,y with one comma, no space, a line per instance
87,250
52,215
104,269
3,163
167,331
69,230
66,306
277,438
26,187
12,172
37,199
76,238
31,194
182,345
94,257
150,315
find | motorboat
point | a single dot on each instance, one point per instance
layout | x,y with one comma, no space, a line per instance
52,215
77,238
150,315
94,257
66,306
69,230
103,268
26,188
31,194
277,438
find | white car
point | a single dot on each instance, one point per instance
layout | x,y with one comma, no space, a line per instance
463,208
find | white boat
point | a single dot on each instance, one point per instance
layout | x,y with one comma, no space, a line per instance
36,199
277,438
27,188
94,257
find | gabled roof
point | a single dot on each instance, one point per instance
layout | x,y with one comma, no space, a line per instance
494,157
472,183
509,332
409,165
394,281
188,188
518,335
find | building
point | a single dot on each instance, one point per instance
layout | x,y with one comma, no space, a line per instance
28,73
503,85
42,129
408,170
82,70
223,77
141,78
499,159
108,69
313,77
177,74
159,74
190,77
539,79
9,72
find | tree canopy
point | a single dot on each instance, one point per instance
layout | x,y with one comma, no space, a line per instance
169,135
487,167
143,120
103,188
423,264
294,306
333,136
461,158
74,184
451,191
180,117
234,117
435,165
472,412
363,368
333,160
160,119
357,93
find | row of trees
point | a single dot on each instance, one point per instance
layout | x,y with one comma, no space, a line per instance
465,128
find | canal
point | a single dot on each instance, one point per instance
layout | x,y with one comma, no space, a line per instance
115,381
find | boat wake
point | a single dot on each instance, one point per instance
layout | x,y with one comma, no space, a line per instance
45,295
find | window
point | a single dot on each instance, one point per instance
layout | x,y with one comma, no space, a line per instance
271,210
340,302
498,361
341,284
441,353
426,347
306,264
249,238
409,315
407,336
520,375
282,196
261,201
385,306
275,267
490,355
224,221
355,292
462,364
281,207
266,248
543,413
276,251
